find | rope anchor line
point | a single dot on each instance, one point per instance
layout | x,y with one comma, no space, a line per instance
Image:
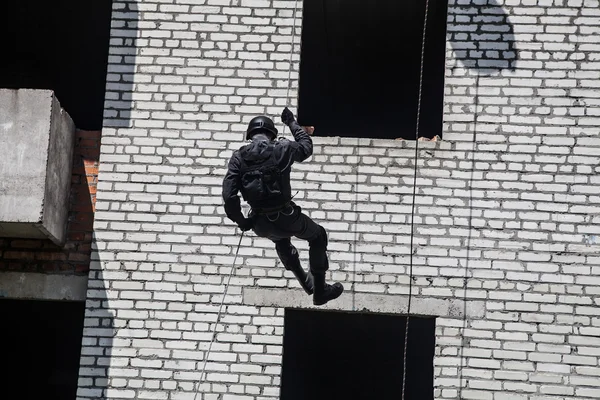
214,334
414,196
289,79
233,267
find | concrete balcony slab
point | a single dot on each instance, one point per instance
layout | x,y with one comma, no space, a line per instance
36,156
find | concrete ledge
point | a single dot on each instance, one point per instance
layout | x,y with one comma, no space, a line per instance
37,138
35,286
367,302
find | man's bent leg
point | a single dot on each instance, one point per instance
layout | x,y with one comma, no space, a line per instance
288,254
319,263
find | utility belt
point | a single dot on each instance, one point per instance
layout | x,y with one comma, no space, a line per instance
272,213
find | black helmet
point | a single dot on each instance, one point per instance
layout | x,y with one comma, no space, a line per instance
261,124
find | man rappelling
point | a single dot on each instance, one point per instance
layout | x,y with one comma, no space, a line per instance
260,171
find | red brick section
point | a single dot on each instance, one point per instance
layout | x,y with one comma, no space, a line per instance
42,255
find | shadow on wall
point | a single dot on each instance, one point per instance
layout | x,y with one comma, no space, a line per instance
482,37
122,54
483,42
98,353
98,337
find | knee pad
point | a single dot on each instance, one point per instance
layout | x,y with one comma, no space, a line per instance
321,239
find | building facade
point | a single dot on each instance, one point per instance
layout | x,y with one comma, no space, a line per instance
506,231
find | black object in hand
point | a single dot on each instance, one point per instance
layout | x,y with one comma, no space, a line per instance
246,224
287,117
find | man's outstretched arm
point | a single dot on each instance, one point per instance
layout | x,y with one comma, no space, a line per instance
302,148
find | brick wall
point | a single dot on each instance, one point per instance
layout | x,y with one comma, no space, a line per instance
33,255
507,215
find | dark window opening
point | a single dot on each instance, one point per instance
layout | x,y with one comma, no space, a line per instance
360,66
355,356
59,45
41,346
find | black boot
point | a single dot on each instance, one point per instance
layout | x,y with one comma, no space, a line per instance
324,292
305,279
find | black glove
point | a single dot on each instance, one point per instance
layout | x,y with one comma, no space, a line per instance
287,117
246,224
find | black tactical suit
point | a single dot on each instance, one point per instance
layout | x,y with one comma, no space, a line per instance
275,216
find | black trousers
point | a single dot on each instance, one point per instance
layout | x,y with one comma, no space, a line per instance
290,222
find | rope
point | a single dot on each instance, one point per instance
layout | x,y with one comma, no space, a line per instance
214,334
414,195
289,79
356,221
242,236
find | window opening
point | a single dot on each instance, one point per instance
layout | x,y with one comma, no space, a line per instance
360,66
41,348
59,45
355,356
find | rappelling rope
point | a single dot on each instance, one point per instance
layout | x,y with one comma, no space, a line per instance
414,195
233,267
289,79
214,334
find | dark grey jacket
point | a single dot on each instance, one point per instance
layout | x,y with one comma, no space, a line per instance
286,153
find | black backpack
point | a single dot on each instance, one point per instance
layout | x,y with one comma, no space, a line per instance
262,178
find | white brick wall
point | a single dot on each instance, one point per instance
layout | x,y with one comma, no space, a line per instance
508,203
